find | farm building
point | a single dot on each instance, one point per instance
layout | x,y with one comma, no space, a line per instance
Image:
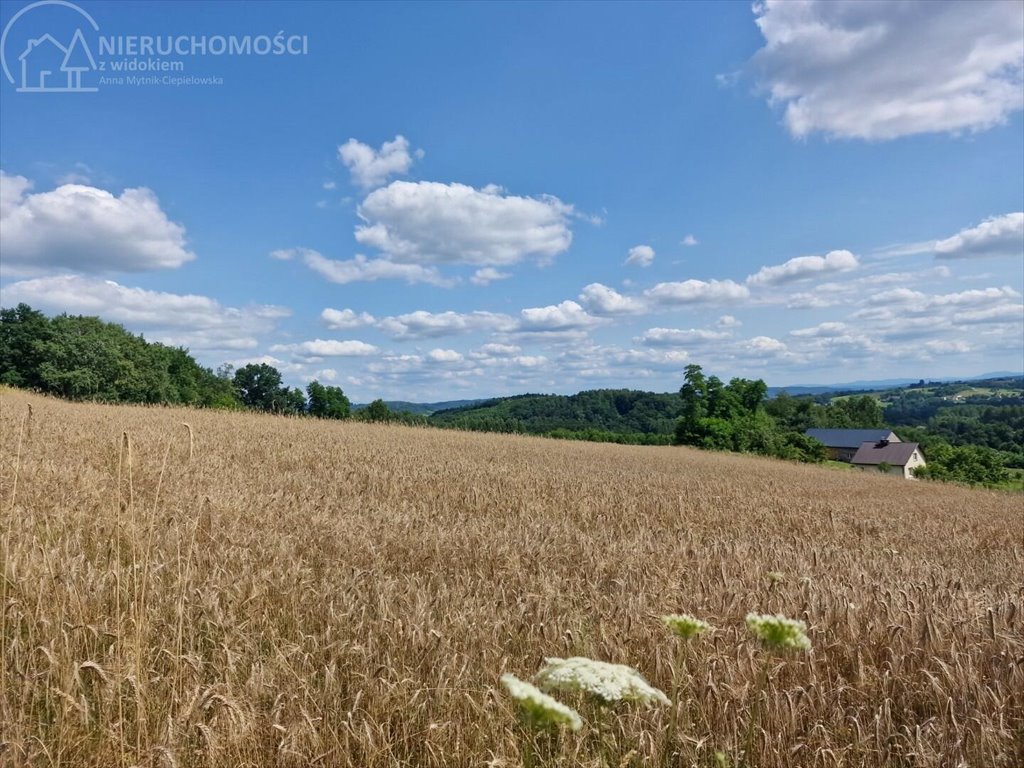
842,444
894,458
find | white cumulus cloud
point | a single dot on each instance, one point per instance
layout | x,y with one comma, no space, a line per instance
87,229
996,236
372,167
877,70
909,301
444,356
326,348
602,300
488,275
567,316
677,337
196,322
640,256
432,223
342,319
498,350
766,345
804,268
362,269
1000,313
697,292
426,325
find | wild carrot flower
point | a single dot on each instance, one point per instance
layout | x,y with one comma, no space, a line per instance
779,632
685,626
540,709
608,682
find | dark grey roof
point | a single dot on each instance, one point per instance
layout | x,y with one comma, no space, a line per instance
849,438
876,452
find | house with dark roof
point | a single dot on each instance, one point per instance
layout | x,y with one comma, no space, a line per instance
842,444
892,458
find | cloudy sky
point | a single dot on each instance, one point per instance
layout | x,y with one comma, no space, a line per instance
442,201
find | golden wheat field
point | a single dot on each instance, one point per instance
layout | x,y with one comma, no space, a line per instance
259,591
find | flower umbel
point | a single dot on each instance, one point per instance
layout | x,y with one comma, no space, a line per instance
608,682
779,632
540,709
685,626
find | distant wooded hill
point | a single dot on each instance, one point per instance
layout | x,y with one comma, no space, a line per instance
620,412
421,409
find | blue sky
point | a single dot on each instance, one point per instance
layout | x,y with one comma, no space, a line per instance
436,201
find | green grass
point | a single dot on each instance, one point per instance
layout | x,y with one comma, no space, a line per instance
1015,483
837,464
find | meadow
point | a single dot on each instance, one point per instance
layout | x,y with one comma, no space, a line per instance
200,588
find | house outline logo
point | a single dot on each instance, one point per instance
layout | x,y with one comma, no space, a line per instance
37,71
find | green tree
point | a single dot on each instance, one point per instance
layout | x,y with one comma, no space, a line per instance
86,358
327,402
23,334
377,411
795,414
751,393
971,464
797,445
735,417
290,401
858,412
727,417
259,387
694,394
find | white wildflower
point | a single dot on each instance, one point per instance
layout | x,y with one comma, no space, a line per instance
685,626
608,682
540,709
779,632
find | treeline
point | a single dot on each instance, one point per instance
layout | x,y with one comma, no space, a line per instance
961,416
85,358
595,414
798,414
706,413
604,436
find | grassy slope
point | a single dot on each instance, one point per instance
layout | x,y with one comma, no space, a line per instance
301,590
